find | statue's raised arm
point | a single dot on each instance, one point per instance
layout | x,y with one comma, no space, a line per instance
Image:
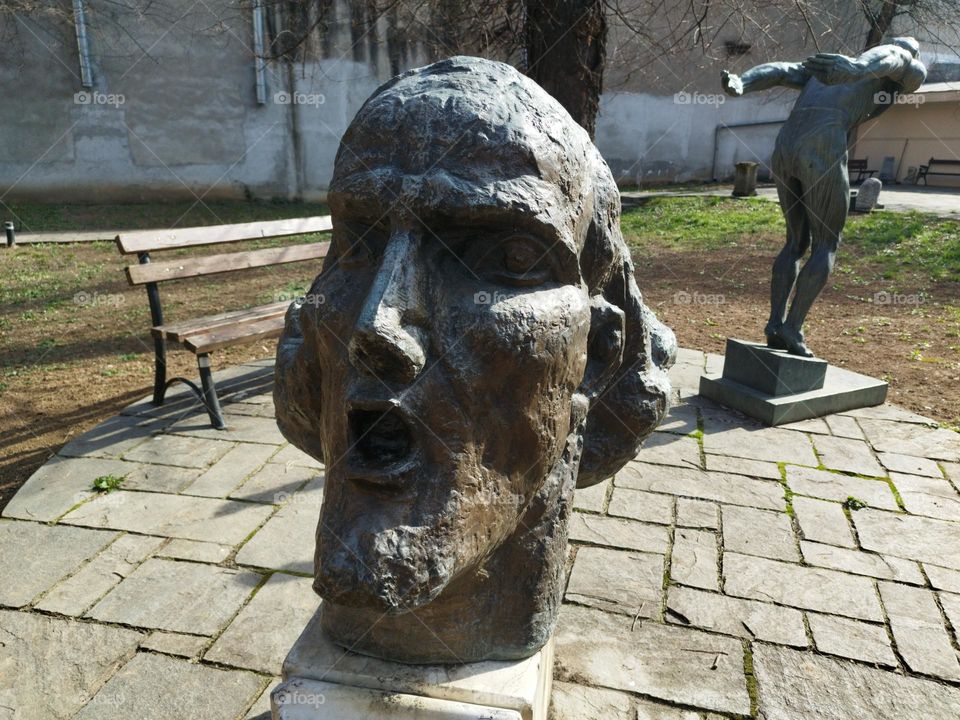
894,62
764,77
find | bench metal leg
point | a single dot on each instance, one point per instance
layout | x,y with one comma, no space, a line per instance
210,398
159,371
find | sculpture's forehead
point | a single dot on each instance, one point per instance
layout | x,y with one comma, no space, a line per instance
486,138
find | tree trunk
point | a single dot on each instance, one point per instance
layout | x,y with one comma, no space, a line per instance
566,50
880,21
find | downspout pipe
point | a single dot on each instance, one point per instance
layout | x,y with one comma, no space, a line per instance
260,66
83,43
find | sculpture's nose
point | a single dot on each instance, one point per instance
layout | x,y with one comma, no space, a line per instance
388,342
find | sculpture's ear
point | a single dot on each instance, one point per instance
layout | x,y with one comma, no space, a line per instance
604,346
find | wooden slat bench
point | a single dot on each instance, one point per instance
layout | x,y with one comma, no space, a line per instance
924,170
203,335
860,168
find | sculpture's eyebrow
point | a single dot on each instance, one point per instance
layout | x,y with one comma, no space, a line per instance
439,194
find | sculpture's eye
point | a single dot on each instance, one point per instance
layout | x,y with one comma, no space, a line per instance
518,260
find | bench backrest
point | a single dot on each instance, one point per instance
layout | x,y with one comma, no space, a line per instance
143,242
857,164
942,161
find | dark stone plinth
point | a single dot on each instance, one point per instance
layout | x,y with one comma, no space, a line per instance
842,390
772,372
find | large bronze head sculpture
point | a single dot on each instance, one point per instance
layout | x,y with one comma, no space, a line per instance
474,343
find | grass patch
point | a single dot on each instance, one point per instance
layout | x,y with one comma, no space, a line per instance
107,483
898,243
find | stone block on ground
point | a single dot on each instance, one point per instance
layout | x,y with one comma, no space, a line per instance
694,559
774,445
919,632
273,483
287,540
933,497
195,550
593,498
807,588
179,450
158,687
926,540
760,469
842,390
851,639
35,557
240,428
289,455
51,666
113,437
669,449
910,465
59,485
833,486
177,596
92,581
702,485
748,619
758,532
846,455
231,470
862,563
941,578
268,626
617,581
697,514
179,516
823,521
663,662
797,685
618,533
640,505
906,438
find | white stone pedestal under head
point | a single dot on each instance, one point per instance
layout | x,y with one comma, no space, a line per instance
373,688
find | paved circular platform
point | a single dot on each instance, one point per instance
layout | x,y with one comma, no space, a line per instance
796,573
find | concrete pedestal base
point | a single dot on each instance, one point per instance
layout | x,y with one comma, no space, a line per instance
357,687
758,381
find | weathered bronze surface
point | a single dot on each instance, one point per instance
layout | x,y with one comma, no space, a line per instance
837,93
475,343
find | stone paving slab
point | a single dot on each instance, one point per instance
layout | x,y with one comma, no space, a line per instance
669,587
50,667
34,557
797,685
60,485
669,663
260,636
837,487
157,687
177,516
177,597
697,484
616,581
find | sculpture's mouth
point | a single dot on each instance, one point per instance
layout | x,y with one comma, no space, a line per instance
382,449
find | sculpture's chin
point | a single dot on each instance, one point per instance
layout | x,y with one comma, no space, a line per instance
395,583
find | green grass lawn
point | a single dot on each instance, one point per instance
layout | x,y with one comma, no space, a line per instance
897,242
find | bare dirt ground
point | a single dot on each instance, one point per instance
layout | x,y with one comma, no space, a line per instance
908,335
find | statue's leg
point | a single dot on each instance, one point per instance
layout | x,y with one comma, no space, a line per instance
786,266
827,202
